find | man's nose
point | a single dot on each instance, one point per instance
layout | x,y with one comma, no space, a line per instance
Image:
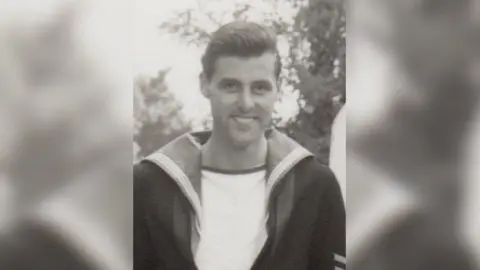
246,102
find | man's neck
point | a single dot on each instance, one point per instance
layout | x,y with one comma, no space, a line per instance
223,155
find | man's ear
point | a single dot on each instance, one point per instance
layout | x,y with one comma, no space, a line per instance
204,85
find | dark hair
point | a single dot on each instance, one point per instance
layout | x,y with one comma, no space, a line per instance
243,39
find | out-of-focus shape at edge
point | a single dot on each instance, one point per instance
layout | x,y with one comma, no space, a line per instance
337,160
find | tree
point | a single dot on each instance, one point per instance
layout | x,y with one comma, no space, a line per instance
194,25
321,75
158,117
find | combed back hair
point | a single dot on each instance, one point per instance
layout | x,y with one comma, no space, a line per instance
241,39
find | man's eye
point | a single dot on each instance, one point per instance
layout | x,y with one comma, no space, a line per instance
261,88
230,86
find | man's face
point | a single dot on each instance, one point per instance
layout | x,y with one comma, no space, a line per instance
242,94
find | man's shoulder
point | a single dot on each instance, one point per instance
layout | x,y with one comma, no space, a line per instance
319,175
313,167
144,168
146,171
322,184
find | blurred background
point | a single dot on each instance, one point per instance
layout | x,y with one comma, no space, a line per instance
413,135
65,135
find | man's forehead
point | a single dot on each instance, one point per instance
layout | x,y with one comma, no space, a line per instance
234,66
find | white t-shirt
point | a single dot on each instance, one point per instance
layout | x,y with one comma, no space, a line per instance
234,225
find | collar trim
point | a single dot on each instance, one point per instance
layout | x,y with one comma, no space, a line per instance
236,172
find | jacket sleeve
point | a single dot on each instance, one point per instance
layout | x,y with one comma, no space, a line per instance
143,251
328,246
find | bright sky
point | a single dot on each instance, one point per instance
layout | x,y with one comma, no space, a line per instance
152,52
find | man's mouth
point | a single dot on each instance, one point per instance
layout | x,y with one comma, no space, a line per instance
244,119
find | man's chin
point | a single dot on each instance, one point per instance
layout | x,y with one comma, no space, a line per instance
242,141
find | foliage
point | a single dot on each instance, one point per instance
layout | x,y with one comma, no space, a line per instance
194,26
158,117
322,81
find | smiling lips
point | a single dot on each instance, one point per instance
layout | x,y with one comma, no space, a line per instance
244,119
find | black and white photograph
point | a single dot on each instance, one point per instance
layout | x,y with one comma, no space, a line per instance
235,103
216,135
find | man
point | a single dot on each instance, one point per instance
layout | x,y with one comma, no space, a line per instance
242,196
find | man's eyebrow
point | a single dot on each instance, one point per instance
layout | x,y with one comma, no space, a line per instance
262,81
224,80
